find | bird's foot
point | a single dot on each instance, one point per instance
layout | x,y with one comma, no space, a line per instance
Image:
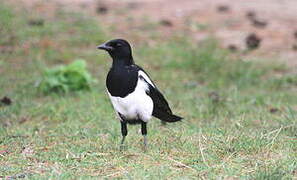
123,147
144,143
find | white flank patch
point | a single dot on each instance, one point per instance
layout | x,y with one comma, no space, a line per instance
137,104
145,76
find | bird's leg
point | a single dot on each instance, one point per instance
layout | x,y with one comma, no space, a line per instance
163,123
144,133
124,132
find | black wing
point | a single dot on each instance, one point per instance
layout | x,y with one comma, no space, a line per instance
157,97
161,108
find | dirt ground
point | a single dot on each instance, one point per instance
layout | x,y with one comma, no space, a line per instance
273,21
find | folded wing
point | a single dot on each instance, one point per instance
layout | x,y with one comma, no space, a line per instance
161,108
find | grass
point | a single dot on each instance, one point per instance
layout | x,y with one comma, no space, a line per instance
240,116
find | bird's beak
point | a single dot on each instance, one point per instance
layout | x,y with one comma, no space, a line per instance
105,47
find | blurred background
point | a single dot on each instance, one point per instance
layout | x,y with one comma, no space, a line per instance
228,67
273,21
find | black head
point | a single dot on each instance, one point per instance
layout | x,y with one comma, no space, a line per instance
119,50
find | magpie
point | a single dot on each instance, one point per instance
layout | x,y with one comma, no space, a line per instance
133,94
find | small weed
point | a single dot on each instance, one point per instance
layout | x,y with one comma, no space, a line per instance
63,79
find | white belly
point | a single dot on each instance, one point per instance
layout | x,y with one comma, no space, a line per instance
137,105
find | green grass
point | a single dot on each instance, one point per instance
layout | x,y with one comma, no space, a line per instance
230,129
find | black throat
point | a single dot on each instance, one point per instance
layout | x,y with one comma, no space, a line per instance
119,59
121,62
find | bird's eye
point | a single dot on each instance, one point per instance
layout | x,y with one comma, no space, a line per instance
119,44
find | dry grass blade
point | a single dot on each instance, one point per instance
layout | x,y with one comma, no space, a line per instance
180,163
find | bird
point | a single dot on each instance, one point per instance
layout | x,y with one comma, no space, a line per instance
134,96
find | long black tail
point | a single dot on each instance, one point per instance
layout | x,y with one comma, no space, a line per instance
163,116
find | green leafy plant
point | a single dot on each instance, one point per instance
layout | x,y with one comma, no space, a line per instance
63,79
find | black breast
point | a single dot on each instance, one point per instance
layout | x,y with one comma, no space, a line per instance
122,81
